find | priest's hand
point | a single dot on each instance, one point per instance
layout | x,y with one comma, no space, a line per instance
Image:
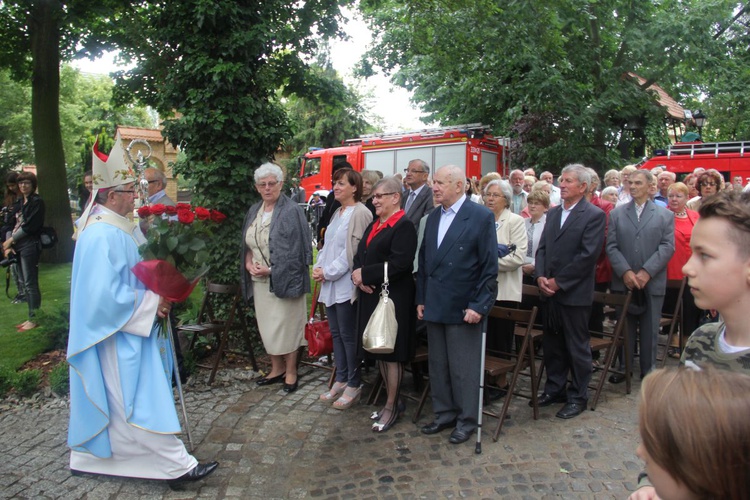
164,307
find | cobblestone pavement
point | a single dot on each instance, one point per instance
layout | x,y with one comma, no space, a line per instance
273,445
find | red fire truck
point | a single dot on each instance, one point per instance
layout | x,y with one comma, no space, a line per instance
469,146
732,159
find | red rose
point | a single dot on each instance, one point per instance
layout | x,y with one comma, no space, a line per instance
217,216
202,213
144,211
183,206
185,216
158,209
171,210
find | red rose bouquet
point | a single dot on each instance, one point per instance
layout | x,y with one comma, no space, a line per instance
175,254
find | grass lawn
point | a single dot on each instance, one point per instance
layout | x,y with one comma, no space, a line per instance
54,282
17,348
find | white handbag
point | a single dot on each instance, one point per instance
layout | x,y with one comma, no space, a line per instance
380,333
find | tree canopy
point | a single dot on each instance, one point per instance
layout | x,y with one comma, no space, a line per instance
34,38
214,68
552,74
327,118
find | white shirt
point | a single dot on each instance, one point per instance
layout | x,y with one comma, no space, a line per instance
337,287
565,213
446,218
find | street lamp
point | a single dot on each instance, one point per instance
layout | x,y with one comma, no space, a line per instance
700,120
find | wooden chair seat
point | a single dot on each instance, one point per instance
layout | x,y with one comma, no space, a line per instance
209,323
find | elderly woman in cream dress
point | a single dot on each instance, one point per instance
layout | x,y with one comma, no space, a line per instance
276,253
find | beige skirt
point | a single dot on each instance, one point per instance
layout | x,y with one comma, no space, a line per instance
281,321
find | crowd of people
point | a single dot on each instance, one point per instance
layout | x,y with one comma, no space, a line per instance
450,248
441,238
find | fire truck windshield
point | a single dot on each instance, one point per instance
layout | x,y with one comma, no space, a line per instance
311,166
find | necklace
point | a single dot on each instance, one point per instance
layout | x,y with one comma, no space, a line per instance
681,214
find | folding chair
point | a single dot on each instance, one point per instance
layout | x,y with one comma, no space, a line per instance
673,319
496,364
209,323
611,342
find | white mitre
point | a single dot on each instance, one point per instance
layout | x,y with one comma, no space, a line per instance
107,171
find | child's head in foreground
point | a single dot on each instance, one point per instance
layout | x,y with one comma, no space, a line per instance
719,270
695,433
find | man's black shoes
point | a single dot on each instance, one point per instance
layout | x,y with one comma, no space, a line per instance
458,437
571,410
434,427
197,473
548,400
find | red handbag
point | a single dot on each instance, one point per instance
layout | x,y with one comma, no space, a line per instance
317,331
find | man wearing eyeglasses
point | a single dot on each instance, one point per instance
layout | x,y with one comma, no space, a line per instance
157,185
418,200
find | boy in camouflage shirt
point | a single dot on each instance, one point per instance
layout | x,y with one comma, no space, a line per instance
718,274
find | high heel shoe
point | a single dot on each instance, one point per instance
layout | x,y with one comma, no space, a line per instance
384,426
334,392
348,399
401,408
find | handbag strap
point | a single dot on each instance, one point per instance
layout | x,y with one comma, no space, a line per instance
384,287
314,303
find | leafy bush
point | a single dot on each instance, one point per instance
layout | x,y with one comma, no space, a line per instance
59,380
55,324
27,382
6,380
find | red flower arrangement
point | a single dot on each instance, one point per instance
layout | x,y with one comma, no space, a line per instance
175,253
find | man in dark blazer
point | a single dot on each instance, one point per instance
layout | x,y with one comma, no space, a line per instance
565,263
639,245
456,288
417,201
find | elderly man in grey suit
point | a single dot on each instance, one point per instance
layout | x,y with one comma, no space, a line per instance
564,269
418,200
456,288
640,243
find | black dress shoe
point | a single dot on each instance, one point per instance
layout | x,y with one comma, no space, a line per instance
434,427
458,437
196,473
290,387
268,381
547,400
571,410
617,378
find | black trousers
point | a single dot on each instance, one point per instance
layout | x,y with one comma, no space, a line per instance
567,349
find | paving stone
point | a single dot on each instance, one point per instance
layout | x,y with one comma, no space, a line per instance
271,445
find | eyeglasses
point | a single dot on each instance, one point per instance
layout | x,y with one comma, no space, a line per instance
411,171
153,180
494,195
126,191
380,195
23,183
702,184
264,185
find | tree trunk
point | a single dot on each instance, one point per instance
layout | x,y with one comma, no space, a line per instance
44,30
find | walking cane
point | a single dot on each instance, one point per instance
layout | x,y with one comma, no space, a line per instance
178,383
478,448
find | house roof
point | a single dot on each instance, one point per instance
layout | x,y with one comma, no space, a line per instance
149,134
674,110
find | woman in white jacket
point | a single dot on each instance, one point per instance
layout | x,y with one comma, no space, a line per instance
511,230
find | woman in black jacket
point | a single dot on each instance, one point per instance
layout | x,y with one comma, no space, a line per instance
390,238
24,242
